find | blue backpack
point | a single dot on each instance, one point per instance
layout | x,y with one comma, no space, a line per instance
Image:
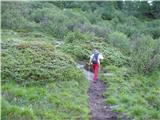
95,58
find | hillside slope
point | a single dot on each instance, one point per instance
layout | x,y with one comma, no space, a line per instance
41,43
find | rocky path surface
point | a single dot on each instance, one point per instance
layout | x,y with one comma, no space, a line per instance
98,109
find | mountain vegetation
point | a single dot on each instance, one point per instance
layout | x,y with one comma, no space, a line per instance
42,42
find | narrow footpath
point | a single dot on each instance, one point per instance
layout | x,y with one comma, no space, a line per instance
98,109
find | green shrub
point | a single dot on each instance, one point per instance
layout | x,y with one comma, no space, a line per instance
119,40
107,11
33,62
152,28
76,20
51,21
99,31
128,30
145,54
93,18
77,50
114,57
13,18
120,16
79,37
127,24
153,31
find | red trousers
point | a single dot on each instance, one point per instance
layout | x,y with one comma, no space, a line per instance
95,70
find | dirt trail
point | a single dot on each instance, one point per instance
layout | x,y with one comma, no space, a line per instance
98,109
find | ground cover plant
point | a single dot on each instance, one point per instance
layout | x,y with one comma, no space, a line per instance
41,43
37,82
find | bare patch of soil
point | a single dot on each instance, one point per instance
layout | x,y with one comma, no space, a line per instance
98,109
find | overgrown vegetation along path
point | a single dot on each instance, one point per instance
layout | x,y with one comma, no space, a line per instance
98,109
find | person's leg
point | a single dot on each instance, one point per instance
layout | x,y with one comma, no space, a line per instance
94,66
96,71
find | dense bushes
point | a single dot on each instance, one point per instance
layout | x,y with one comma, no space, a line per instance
28,57
77,50
145,54
58,22
51,22
153,28
76,36
106,11
12,16
47,18
119,40
92,18
38,81
33,62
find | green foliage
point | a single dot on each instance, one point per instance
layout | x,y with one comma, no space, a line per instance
153,28
29,57
82,51
77,51
44,17
119,40
76,36
28,62
128,30
99,31
15,16
113,57
106,10
145,54
52,101
138,110
14,112
137,8
12,18
155,8
51,20
111,101
92,18
135,95
130,24
76,20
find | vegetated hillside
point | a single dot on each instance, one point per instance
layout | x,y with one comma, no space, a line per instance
40,82
42,41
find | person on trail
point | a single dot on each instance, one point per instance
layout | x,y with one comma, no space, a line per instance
95,61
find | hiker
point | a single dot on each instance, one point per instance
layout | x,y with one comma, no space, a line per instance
95,61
